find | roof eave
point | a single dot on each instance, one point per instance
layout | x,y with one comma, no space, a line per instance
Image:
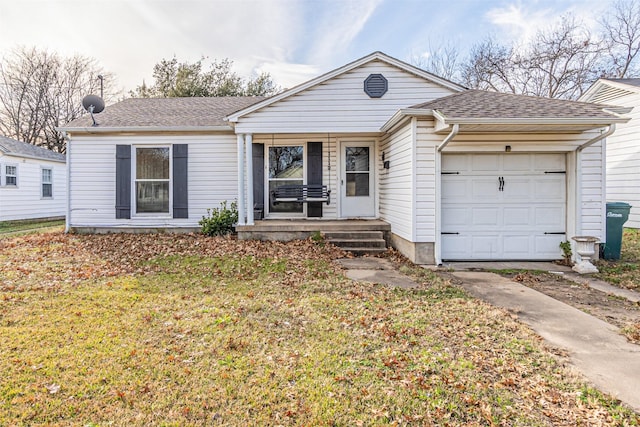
534,121
402,114
154,129
28,156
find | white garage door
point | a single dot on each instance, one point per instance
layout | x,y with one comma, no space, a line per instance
503,206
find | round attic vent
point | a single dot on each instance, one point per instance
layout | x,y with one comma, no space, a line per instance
375,85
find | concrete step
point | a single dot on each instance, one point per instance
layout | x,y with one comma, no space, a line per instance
341,235
366,251
358,243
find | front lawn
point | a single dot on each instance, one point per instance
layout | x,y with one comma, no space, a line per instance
187,330
14,227
626,271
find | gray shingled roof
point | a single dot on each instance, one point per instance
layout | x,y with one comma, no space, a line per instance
166,112
631,82
479,104
19,148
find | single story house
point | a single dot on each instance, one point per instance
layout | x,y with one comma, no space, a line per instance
454,174
623,147
33,181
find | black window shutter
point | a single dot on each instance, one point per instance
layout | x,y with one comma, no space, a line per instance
258,176
123,181
180,182
314,175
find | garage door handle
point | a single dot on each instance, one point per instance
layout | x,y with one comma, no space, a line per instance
500,183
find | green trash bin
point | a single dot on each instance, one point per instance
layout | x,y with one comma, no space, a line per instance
617,215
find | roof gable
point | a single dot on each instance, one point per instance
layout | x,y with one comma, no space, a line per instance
609,90
375,56
13,147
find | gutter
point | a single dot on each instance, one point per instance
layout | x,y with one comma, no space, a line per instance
152,129
27,156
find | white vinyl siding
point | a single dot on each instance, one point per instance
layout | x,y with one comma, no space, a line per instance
341,105
592,192
212,178
397,182
623,160
24,200
427,143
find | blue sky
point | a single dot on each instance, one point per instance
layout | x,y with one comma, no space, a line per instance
294,40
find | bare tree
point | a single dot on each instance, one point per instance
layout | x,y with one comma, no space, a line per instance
442,60
40,91
490,66
621,31
558,62
561,62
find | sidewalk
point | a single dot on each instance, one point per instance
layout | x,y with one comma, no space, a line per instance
595,347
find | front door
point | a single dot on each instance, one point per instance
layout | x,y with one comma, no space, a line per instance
357,197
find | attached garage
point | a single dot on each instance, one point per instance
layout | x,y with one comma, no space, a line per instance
503,206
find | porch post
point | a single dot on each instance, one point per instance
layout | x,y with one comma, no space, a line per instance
241,201
249,155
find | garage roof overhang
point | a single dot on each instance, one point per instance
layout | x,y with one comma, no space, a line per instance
443,125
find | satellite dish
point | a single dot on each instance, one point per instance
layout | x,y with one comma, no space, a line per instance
93,104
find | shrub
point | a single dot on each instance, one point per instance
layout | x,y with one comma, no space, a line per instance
220,221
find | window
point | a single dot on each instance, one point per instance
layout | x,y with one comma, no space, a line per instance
47,183
152,180
11,175
286,167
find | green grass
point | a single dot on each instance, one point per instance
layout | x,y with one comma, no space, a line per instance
13,227
184,330
626,271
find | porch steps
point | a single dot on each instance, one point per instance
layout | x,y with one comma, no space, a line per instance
358,242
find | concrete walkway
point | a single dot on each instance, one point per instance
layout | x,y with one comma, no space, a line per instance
375,270
595,347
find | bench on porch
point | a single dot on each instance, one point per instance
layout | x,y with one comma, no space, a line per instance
301,194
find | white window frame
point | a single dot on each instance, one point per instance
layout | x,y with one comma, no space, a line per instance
5,175
134,180
43,183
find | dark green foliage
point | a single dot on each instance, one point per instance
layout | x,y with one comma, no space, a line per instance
220,221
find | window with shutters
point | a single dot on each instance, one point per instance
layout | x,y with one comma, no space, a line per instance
152,183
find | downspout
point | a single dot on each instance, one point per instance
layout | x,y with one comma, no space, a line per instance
612,128
449,138
67,219
438,236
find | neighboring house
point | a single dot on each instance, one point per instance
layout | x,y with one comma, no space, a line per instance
456,174
33,181
623,147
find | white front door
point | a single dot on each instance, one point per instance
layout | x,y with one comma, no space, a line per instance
503,206
357,181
